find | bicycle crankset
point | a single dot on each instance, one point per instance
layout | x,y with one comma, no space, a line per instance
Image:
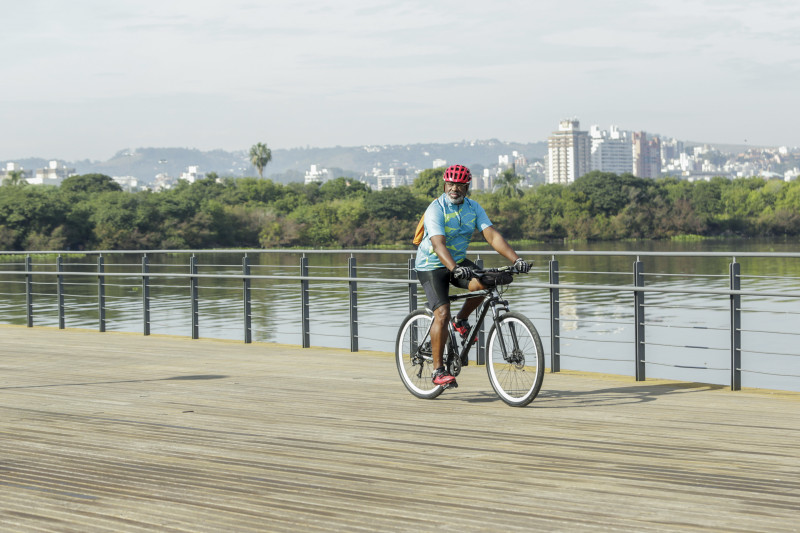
455,366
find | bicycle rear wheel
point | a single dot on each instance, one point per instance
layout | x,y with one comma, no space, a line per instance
515,359
414,357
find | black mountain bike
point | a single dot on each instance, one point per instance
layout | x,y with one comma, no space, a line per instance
514,355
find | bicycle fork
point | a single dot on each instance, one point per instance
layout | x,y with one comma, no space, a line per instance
508,357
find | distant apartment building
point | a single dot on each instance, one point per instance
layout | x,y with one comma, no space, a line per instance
394,178
671,150
686,163
13,167
128,183
484,182
612,150
192,174
568,153
163,181
646,156
515,160
315,175
53,174
439,163
520,161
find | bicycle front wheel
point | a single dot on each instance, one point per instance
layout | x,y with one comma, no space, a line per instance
414,356
515,359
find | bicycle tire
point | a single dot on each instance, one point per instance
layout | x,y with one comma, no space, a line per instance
415,366
516,381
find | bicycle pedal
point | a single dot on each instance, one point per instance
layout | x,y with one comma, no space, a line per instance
452,385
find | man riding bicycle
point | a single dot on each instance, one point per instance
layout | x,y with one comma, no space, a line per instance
449,223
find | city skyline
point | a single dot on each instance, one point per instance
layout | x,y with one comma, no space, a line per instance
90,78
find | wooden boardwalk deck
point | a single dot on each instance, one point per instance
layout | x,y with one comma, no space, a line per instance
121,432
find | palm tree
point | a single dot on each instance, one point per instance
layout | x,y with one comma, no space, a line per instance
260,155
507,184
15,177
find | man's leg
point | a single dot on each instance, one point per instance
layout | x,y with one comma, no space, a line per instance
439,334
471,304
437,285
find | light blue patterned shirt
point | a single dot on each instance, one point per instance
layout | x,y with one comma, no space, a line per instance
457,223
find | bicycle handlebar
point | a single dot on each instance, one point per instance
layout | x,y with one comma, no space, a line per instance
509,268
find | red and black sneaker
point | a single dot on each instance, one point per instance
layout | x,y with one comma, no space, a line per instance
442,377
463,327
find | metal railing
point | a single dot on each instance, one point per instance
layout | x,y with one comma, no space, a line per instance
47,283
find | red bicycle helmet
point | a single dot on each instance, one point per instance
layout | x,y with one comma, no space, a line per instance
458,174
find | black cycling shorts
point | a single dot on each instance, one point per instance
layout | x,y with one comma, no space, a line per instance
437,284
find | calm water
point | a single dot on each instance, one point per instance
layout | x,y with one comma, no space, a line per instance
687,336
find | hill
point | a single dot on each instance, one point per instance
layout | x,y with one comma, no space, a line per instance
291,164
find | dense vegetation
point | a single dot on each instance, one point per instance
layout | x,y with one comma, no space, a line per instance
92,212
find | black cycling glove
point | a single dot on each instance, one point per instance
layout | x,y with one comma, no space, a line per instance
462,273
522,265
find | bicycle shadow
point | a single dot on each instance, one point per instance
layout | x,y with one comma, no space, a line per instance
588,398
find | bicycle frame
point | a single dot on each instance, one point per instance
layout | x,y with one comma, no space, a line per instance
491,300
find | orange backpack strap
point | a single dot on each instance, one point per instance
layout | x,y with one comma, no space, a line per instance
420,233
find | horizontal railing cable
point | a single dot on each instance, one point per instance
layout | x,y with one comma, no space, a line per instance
688,367
763,372
688,346
562,354
623,341
611,288
680,326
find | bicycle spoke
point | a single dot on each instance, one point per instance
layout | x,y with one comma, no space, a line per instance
515,362
414,357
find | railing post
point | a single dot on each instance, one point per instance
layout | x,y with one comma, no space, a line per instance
248,315
60,291
555,319
638,314
101,294
352,272
145,295
29,290
304,304
412,287
736,327
193,295
480,348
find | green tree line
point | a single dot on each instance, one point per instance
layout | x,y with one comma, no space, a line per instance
91,212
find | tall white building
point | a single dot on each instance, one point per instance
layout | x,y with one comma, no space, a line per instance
612,150
192,174
395,178
128,183
484,182
315,175
568,153
52,175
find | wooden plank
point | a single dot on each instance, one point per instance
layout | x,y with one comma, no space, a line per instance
120,432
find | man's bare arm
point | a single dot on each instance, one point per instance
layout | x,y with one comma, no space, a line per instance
500,245
440,248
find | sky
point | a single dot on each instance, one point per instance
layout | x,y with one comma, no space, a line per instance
85,79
